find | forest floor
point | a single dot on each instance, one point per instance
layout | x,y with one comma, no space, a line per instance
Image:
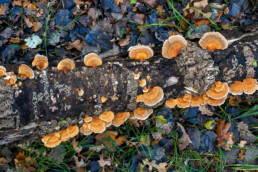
170,139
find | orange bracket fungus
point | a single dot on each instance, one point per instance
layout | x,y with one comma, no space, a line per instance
140,52
181,103
173,45
249,85
92,60
171,103
120,118
107,116
40,61
218,91
25,71
141,113
212,41
2,71
196,101
66,65
97,125
10,79
72,130
236,88
51,140
142,83
85,130
64,136
152,97
87,118
216,102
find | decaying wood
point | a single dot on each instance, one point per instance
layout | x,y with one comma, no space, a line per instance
43,103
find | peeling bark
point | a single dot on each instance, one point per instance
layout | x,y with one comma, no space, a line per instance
41,104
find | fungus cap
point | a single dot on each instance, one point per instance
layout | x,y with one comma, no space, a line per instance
141,113
108,124
85,129
25,71
145,90
92,60
218,91
87,118
120,118
72,130
136,76
66,65
97,125
152,97
40,61
203,99
171,103
216,102
51,140
213,40
236,88
107,116
2,71
172,46
249,85
10,79
140,52
64,136
187,98
196,101
181,103
142,83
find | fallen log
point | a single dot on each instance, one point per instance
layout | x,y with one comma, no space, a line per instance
41,104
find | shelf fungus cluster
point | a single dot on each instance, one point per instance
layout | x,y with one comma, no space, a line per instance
52,140
92,60
215,96
152,97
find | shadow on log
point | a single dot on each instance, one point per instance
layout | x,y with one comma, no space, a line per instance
39,105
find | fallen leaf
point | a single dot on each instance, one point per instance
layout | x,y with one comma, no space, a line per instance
77,148
242,143
209,124
23,162
32,6
77,44
151,3
124,42
79,2
2,161
36,26
201,4
184,139
139,18
241,155
27,22
3,9
102,162
234,100
145,140
161,167
79,164
205,111
39,12
223,135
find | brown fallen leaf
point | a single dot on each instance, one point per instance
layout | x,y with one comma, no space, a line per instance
151,3
201,4
77,44
242,143
205,111
79,164
27,22
234,100
124,42
184,139
3,9
118,1
77,148
23,162
103,162
241,155
223,136
161,167
2,161
36,26
32,6
139,18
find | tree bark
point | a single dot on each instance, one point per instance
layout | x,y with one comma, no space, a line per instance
51,98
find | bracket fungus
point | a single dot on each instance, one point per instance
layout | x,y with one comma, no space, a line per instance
140,52
212,41
66,65
173,45
10,79
51,140
40,61
142,82
141,113
218,91
120,118
249,85
152,97
92,60
107,116
87,118
64,136
236,88
216,102
97,125
25,71
2,71
171,103
85,130
196,101
181,103
72,131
